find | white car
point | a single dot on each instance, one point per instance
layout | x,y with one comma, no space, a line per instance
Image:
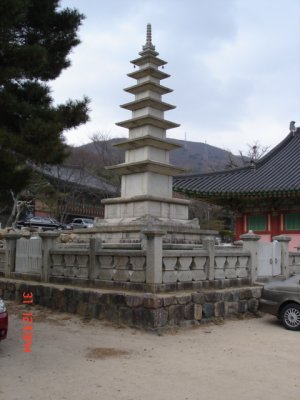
78,223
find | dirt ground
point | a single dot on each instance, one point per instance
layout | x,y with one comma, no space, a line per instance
71,358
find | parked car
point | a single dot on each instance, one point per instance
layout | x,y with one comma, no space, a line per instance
282,298
3,320
78,223
45,223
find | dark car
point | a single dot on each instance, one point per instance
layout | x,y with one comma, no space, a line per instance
3,320
45,223
282,298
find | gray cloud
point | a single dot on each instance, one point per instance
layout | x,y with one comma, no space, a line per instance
234,66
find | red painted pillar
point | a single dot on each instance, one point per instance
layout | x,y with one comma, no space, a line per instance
239,229
275,224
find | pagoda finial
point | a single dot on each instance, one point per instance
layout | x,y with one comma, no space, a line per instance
149,45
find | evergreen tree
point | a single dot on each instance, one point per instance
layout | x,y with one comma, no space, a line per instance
36,37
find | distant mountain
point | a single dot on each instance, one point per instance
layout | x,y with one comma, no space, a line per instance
194,156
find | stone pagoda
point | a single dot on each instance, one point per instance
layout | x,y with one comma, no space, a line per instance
146,200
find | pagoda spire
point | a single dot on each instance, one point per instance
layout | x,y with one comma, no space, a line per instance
149,45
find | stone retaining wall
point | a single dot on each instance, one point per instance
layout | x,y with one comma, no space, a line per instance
146,310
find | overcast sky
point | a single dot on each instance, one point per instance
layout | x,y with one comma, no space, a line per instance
234,66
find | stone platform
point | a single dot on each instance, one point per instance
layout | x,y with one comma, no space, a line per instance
141,310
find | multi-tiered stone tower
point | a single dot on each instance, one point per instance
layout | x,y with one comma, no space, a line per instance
146,183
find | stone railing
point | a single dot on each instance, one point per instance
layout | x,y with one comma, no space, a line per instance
149,265
294,262
2,259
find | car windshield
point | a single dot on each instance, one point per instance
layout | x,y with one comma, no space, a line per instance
88,221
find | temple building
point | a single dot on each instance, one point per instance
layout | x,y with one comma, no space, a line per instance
264,195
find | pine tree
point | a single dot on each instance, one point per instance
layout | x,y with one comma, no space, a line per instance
36,37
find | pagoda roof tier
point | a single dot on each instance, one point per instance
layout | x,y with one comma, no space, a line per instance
147,119
148,58
147,166
148,85
147,140
277,174
148,102
148,71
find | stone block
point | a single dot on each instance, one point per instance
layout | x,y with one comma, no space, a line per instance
219,310
184,276
184,299
230,273
213,297
231,308
125,315
176,314
169,263
169,301
198,298
184,263
105,274
121,275
138,263
159,317
189,311
82,273
105,261
95,297
97,311
242,306
111,312
219,274
169,276
220,262
242,272
199,262
208,310
256,292
253,305
121,262
198,275
231,262
246,294
83,309
243,261
118,299
152,301
148,318
137,276
57,271
69,260
231,295
197,312
134,300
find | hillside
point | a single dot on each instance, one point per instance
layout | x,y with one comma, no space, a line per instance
194,156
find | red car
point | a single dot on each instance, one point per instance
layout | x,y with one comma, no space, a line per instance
3,320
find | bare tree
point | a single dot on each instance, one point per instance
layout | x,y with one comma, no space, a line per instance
254,152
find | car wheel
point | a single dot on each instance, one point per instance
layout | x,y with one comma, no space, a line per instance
290,316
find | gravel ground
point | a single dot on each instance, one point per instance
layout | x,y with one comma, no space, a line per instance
73,358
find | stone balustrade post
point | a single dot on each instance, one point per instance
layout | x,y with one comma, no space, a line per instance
48,242
154,253
284,244
10,253
95,245
209,245
250,243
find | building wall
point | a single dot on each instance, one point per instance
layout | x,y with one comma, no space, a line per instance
270,224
